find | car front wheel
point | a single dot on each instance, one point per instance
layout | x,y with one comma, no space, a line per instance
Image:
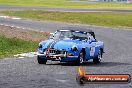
80,59
41,60
98,58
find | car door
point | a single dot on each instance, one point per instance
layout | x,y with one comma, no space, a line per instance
92,46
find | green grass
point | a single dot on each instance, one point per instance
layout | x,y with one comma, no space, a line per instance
11,46
65,3
103,19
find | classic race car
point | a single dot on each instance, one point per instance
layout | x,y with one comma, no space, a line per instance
76,44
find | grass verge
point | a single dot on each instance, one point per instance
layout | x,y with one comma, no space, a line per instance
66,3
103,19
11,46
20,41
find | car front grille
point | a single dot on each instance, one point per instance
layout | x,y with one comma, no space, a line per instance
54,51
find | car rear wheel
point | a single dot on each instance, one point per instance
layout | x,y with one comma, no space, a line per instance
98,58
41,60
80,59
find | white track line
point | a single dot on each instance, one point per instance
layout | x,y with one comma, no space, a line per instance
60,80
10,17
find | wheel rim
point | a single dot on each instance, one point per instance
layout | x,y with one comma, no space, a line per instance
81,57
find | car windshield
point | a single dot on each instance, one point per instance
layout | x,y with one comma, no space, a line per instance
69,35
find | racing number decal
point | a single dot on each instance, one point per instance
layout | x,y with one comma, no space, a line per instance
92,51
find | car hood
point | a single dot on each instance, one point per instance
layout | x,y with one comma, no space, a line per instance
60,44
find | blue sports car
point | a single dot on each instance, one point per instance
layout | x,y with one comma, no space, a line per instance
68,44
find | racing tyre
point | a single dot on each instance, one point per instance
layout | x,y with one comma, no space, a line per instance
80,59
41,60
98,58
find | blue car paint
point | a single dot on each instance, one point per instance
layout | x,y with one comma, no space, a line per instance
68,44
44,45
98,45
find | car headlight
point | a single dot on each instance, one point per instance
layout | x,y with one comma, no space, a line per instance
74,48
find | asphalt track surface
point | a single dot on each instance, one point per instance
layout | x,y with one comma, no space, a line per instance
27,73
9,7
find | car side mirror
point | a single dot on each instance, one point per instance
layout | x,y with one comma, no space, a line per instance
51,35
90,40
